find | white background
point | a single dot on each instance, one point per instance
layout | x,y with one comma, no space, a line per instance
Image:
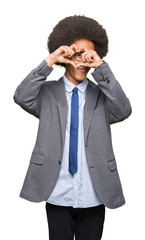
25,26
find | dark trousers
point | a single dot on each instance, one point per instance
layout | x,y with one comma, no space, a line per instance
66,222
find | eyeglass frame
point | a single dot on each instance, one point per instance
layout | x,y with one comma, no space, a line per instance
76,54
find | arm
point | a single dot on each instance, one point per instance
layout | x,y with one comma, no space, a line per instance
27,93
117,103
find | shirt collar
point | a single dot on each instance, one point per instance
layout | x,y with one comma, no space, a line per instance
69,86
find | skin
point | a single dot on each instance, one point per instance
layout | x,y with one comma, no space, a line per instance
76,71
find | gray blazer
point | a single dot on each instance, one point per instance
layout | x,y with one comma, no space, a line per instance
106,103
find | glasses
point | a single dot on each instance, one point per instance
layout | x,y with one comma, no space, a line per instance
78,55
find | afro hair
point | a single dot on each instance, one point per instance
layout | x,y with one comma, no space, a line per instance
77,27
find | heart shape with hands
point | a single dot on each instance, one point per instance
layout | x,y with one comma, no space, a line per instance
87,58
67,54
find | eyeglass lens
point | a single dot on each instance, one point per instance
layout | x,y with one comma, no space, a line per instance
78,56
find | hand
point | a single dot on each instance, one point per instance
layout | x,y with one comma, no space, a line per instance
62,55
90,59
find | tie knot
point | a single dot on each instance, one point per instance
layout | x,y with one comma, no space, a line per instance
75,90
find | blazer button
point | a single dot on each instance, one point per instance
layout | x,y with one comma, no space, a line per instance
59,162
107,80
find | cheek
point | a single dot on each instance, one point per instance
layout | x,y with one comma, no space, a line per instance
73,60
72,69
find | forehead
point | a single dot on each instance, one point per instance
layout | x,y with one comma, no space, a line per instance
84,43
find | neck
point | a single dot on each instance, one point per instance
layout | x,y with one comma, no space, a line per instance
73,80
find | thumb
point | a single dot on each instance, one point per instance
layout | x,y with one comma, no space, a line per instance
69,62
83,65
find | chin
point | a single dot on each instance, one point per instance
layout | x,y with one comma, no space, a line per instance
80,78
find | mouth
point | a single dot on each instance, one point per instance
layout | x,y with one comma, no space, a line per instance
82,70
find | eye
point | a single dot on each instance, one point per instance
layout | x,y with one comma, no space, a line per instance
79,54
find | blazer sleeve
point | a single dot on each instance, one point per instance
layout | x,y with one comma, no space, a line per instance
27,94
117,103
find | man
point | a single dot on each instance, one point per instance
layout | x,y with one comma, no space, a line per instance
73,167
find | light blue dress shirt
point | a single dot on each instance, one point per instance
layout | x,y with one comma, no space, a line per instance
74,190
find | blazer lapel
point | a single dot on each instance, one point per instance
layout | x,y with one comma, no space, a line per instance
60,95
92,93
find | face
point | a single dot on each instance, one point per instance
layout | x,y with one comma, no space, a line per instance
73,74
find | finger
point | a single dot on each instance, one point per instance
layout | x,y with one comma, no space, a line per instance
67,61
86,64
84,55
64,53
89,57
69,52
83,58
64,50
75,48
69,55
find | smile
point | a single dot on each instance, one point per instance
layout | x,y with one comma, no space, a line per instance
83,70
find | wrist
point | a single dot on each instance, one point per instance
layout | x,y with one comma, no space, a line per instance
98,63
50,61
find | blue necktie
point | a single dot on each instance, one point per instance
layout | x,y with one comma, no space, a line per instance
73,147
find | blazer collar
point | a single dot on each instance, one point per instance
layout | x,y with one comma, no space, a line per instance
69,86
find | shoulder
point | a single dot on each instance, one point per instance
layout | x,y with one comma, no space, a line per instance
92,85
94,88
48,84
49,87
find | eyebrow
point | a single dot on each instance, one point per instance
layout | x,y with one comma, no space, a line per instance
80,52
